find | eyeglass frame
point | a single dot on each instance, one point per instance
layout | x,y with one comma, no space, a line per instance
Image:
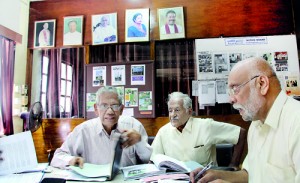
236,89
114,107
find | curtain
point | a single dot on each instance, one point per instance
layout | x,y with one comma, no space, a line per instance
175,70
52,108
7,62
74,57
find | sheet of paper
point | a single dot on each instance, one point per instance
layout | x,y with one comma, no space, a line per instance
221,91
206,92
92,170
22,178
18,153
194,88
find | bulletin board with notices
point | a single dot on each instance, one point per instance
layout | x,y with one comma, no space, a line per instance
215,58
133,80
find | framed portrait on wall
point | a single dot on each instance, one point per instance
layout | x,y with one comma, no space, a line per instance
171,23
104,29
44,33
73,30
137,25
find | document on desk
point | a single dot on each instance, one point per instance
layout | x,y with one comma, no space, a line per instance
34,177
18,153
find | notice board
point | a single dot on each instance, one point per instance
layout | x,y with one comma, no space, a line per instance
134,81
215,57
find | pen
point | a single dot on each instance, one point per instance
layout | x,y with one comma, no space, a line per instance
207,167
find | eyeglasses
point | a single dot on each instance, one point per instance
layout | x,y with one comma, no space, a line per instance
236,89
176,110
114,107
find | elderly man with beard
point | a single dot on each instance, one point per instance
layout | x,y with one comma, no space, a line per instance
187,138
273,136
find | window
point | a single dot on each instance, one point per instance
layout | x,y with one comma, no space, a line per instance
45,64
65,88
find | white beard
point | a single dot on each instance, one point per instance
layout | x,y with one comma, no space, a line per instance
251,107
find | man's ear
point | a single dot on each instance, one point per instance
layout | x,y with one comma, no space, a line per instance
264,84
121,109
96,109
190,111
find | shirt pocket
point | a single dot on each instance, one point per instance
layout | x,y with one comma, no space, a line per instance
274,173
200,153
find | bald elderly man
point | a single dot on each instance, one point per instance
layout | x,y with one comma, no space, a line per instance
273,136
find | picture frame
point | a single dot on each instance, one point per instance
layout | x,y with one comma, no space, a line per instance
72,34
171,23
137,25
44,33
104,29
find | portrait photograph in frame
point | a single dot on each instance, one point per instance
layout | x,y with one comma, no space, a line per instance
44,33
73,30
104,29
171,23
137,25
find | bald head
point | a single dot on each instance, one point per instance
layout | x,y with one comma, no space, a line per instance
254,88
254,66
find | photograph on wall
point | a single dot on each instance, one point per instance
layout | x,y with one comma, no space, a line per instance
221,63
90,101
145,100
104,29
137,25
138,76
44,33
131,97
118,75
268,56
120,90
205,62
73,30
171,23
291,85
281,61
99,76
234,58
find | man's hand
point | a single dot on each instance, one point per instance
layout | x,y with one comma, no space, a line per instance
77,161
208,176
130,137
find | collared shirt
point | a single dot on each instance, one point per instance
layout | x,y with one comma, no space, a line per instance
274,146
197,142
90,141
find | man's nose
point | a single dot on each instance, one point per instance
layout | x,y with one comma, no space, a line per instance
232,99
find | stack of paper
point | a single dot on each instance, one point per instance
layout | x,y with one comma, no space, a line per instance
141,171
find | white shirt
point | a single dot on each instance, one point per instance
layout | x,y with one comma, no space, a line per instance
101,33
90,141
197,142
274,147
72,38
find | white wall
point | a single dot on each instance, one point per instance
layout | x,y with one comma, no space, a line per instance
14,15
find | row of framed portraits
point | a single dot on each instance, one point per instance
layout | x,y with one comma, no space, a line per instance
104,27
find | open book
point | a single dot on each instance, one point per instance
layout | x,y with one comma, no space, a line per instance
162,161
100,172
